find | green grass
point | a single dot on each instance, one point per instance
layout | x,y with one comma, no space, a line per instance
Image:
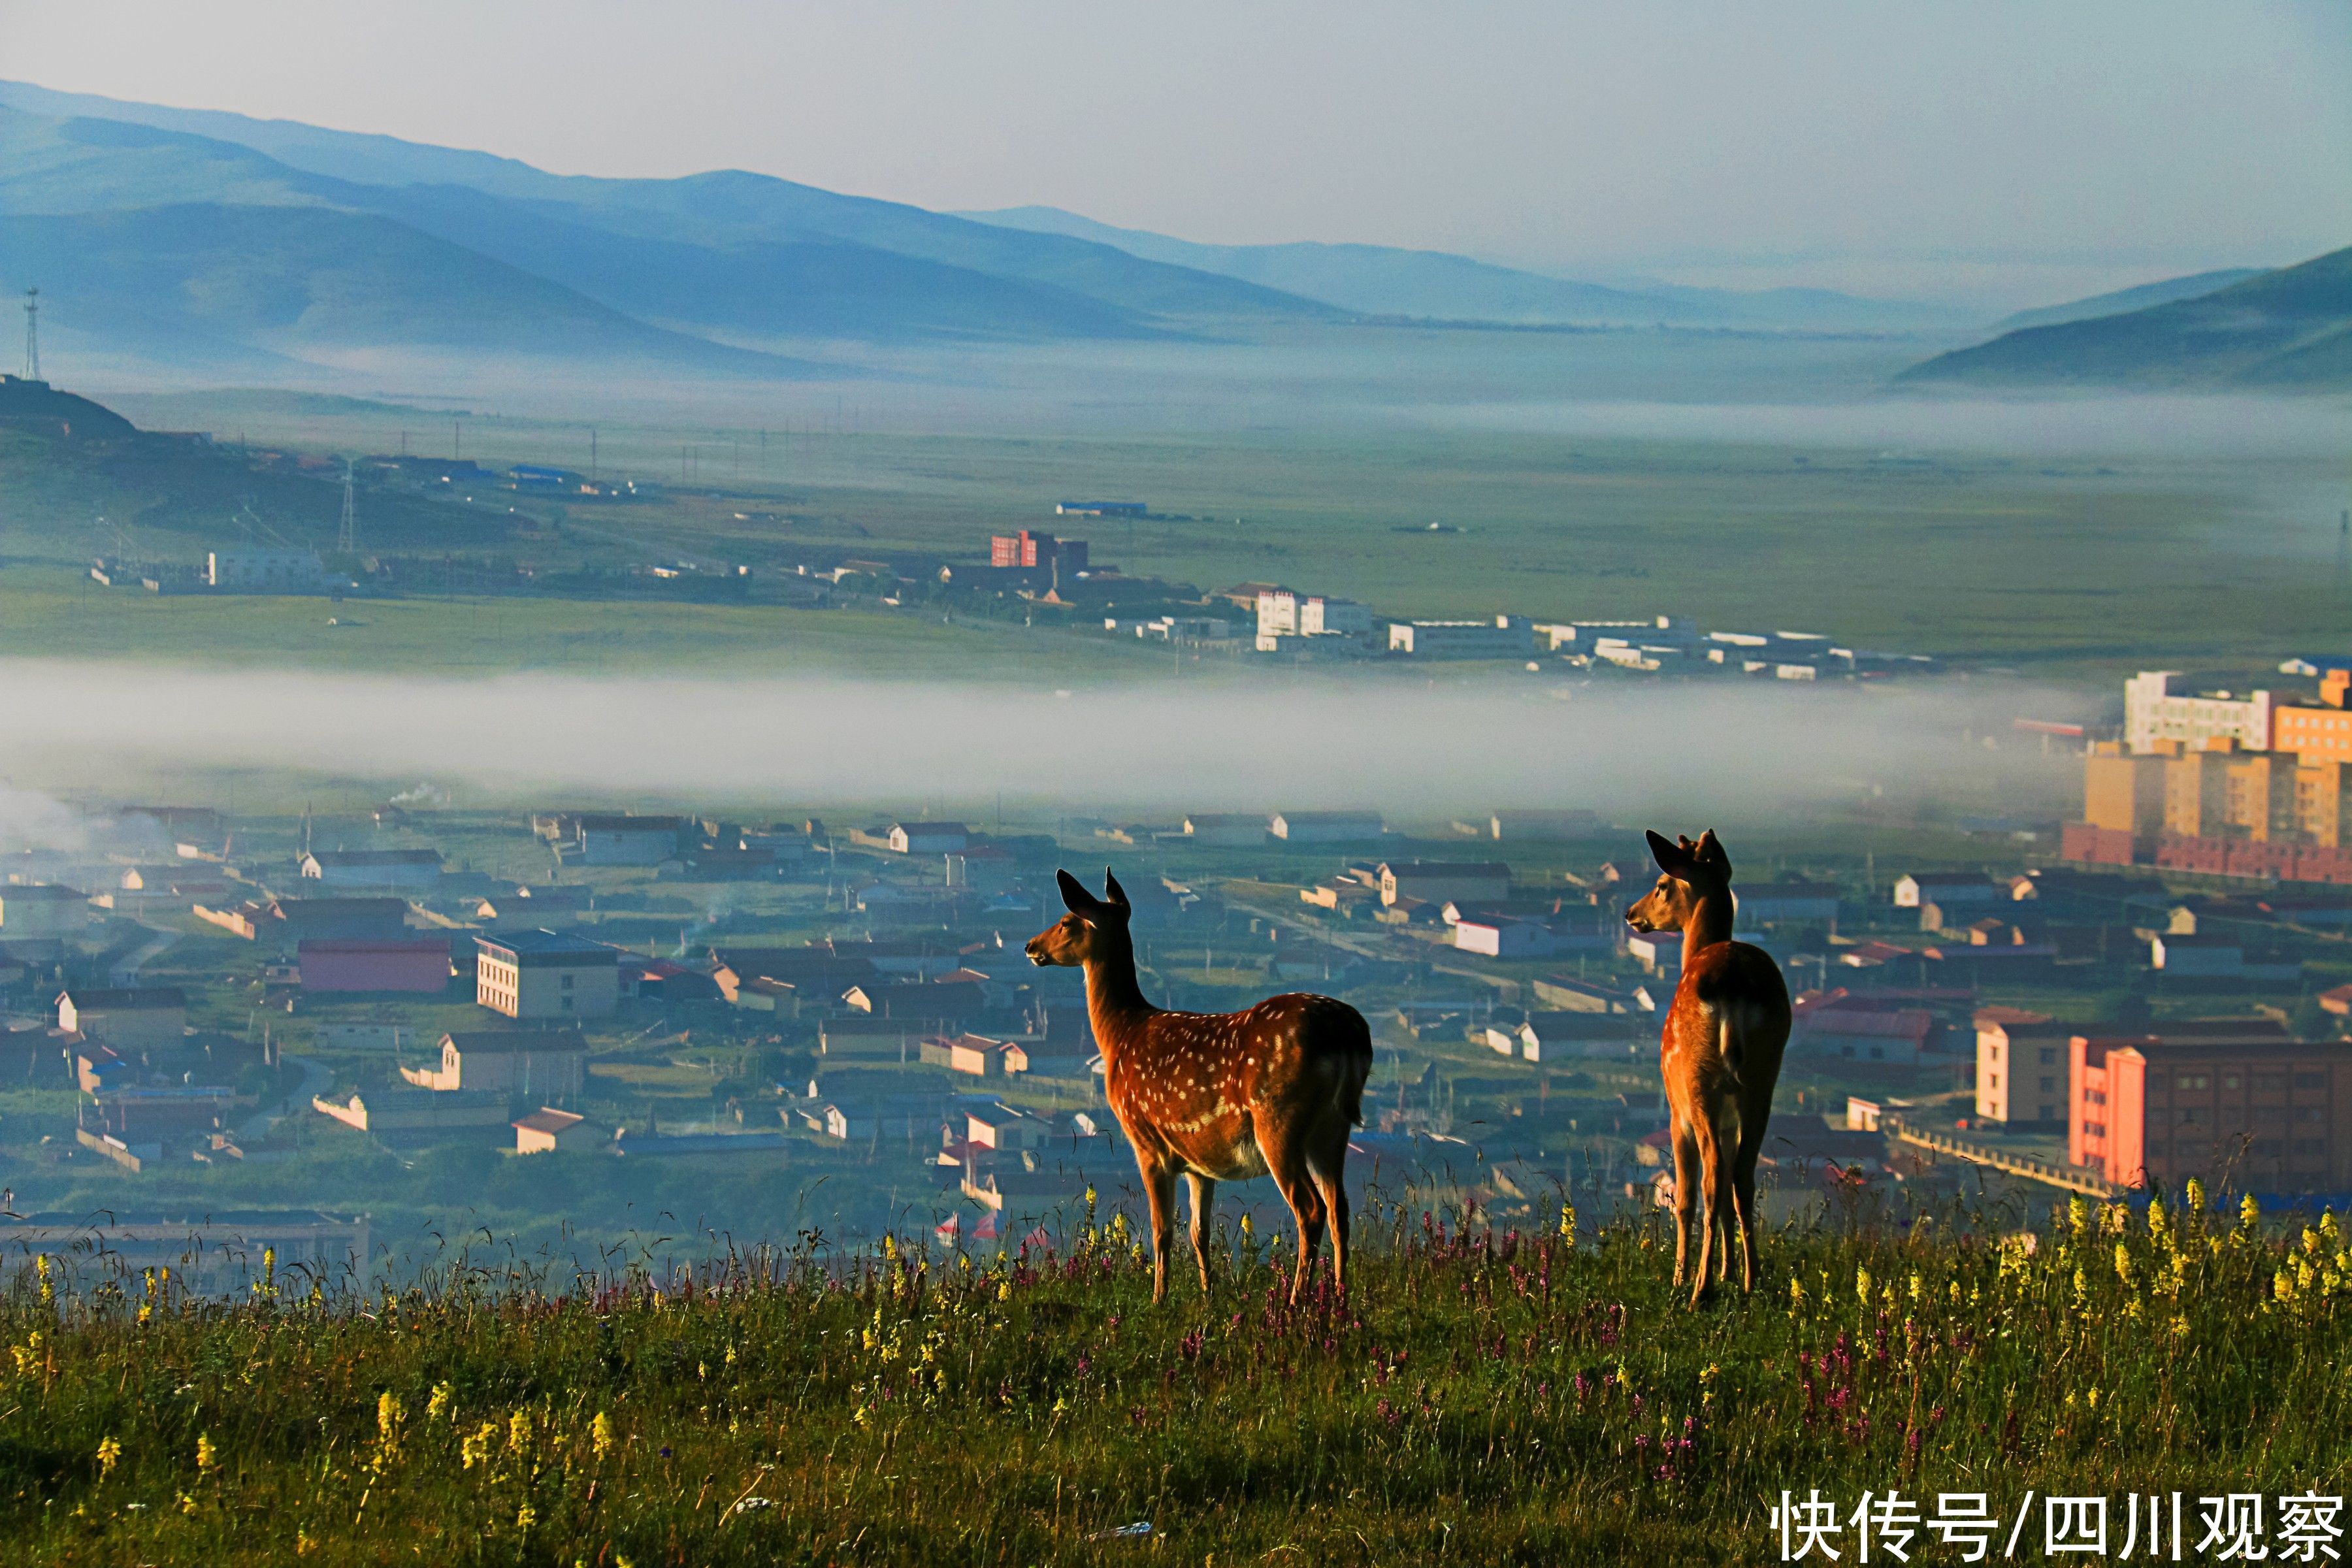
1478,1398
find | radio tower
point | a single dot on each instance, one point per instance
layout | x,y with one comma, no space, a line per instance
347,539
32,334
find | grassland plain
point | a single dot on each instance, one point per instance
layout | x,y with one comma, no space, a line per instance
2077,567
1477,1397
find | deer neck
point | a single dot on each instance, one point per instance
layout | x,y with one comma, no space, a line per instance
1709,922
1114,1003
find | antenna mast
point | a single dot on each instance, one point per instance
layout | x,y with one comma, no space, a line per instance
348,539
32,334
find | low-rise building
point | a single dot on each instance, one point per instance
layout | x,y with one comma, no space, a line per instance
1504,637
2022,1067
1946,889
546,974
1446,881
609,838
128,1018
928,837
42,910
255,568
415,1116
1225,829
419,964
547,1129
549,1064
413,870
1327,827
2192,1101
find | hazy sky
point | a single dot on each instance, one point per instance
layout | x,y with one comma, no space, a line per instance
1902,145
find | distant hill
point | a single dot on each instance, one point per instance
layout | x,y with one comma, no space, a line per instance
1386,280
316,284
2287,330
2124,300
37,406
734,232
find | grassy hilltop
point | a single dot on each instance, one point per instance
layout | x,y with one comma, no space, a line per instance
1479,1398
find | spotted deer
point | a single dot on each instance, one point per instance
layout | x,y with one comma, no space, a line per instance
1719,1054
1218,1096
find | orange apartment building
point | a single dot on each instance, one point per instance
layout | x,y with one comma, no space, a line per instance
2199,1097
2218,803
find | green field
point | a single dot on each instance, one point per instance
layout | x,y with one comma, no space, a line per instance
2078,566
1476,1398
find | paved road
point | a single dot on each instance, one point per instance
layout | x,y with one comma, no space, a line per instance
315,1079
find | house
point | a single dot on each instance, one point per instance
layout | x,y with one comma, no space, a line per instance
1326,826
256,569
1947,890
1572,1036
132,1018
546,974
1895,1036
1787,902
605,839
549,1063
1504,637
419,964
546,1129
1542,826
1063,1058
1003,1129
1225,829
2020,1067
413,1117
927,837
911,1119
2217,958
413,870
1503,936
1443,881
2208,1094
42,910
1658,952
665,981
977,1055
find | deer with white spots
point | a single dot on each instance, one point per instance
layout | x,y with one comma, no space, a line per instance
1218,1096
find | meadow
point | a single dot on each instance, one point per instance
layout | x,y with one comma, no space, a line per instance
1475,1397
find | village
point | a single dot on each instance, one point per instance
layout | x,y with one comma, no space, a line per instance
318,1007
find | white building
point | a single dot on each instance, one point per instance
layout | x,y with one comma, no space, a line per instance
1284,613
928,837
260,570
2155,710
1504,636
408,869
623,839
1327,827
1225,829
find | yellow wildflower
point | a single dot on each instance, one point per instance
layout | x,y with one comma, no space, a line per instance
2249,1213
437,1404
519,1431
206,1455
600,1434
109,1454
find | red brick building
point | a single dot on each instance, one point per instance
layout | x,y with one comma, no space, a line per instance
2158,1108
353,964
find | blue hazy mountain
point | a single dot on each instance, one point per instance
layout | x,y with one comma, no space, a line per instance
743,255
1385,280
2122,300
2287,330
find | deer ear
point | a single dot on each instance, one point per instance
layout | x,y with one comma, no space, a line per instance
1672,859
1075,897
1710,853
1115,895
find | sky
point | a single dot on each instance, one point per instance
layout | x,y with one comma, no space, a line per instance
1970,149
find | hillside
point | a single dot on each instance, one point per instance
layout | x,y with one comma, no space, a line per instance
2287,330
1477,1397
316,284
1388,281
2122,300
99,153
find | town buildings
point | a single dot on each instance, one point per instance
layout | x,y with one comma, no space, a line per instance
412,870
548,1064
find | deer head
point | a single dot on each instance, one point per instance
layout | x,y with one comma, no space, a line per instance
1688,873
1095,929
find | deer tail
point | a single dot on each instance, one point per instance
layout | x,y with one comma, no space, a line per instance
1360,1068
1727,1046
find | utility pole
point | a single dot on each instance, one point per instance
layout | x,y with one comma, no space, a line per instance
32,334
347,539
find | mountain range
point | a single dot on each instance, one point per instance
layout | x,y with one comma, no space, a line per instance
2289,330
198,236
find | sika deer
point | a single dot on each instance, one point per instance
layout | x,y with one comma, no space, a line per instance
1218,1096
1719,1053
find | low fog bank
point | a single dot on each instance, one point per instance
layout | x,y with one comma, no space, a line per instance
1736,753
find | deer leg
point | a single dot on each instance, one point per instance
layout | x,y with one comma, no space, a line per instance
1160,1189
1743,1192
1204,1193
1686,1193
1326,1165
1710,1162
